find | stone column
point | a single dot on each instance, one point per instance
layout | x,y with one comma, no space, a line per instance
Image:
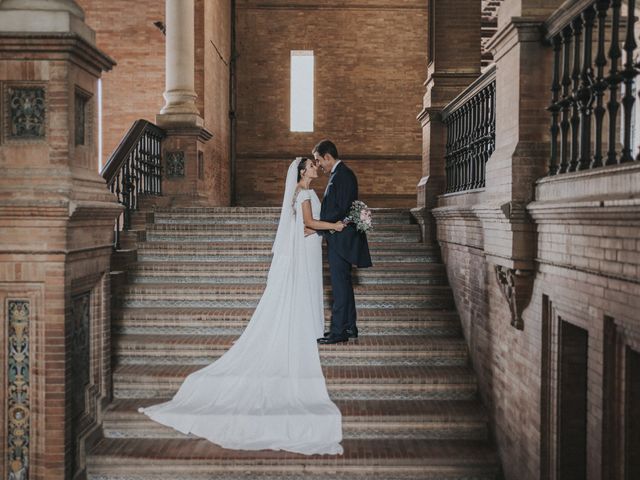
184,148
180,95
56,234
455,59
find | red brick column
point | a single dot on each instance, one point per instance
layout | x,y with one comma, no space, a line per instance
455,57
56,230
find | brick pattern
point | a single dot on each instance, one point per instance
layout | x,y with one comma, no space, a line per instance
362,102
516,368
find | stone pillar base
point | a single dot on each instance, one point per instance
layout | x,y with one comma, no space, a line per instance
183,169
179,120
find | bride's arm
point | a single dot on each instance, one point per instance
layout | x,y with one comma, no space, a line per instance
311,222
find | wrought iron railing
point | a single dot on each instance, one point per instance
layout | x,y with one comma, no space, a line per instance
135,169
592,98
471,131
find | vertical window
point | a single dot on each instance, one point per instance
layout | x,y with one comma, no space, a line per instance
302,66
99,124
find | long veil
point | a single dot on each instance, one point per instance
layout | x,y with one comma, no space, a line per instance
286,227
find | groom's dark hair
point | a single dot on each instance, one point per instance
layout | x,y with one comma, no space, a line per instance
326,146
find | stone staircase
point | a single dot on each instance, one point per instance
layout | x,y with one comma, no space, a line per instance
405,388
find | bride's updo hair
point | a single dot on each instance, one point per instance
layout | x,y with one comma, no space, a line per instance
302,164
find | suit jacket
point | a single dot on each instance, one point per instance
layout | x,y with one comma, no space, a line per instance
341,191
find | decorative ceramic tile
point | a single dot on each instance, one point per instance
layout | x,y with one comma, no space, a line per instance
80,353
18,404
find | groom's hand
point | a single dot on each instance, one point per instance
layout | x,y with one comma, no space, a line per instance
308,231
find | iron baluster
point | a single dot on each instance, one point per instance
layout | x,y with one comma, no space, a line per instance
613,81
575,85
585,92
600,85
628,74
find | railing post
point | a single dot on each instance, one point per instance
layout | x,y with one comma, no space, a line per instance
600,85
575,85
584,96
629,74
613,81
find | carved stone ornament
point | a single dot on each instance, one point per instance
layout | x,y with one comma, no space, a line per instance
517,287
175,164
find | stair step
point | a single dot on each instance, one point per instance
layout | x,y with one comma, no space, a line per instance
360,419
386,252
189,297
253,216
204,349
388,459
212,321
241,229
202,232
355,383
234,273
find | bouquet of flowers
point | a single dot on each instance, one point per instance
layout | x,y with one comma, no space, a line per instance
360,216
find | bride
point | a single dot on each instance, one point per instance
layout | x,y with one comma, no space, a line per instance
268,390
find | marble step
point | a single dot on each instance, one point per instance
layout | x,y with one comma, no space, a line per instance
234,273
355,383
360,419
363,459
248,295
222,321
374,350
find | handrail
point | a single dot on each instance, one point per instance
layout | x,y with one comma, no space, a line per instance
135,168
470,119
487,77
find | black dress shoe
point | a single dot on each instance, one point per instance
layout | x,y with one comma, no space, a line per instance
331,339
352,332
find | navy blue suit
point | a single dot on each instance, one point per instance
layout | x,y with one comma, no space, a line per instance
344,249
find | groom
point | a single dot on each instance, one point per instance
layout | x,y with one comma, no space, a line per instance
345,248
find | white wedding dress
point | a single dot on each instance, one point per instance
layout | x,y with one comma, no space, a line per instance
268,390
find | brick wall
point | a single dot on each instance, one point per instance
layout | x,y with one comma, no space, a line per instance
134,88
370,66
587,271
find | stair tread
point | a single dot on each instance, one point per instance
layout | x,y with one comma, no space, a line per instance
243,312
374,343
258,288
352,410
411,375
369,452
